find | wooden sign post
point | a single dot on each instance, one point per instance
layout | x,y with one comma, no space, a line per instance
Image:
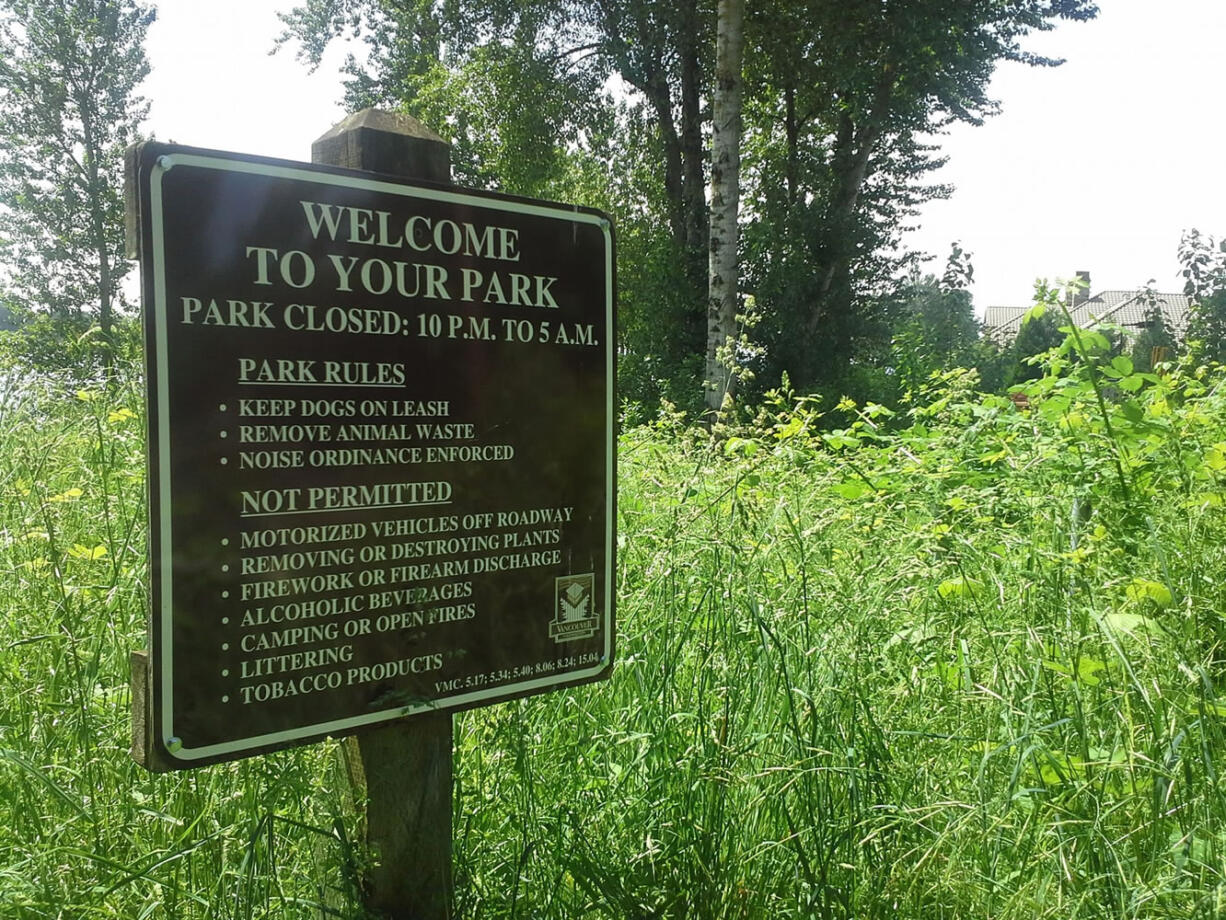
405,766
381,465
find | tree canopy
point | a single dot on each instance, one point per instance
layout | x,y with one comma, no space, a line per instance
68,107
613,98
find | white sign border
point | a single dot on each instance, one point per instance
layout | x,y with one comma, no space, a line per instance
175,746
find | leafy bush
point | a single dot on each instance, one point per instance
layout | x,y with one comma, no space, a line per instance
1204,272
71,344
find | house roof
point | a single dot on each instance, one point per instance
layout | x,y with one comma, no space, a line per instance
1001,323
1128,309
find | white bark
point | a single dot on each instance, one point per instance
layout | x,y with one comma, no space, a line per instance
725,200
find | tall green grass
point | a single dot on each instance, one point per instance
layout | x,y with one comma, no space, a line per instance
84,832
965,663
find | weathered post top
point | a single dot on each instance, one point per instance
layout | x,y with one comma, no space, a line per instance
385,142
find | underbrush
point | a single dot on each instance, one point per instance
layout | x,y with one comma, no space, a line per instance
966,663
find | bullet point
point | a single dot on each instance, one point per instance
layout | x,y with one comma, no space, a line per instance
224,461
225,621
225,594
225,672
225,699
225,541
225,646
225,434
222,407
225,568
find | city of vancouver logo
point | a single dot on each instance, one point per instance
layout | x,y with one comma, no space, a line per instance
574,608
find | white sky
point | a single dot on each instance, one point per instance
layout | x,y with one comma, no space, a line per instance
1096,165
214,84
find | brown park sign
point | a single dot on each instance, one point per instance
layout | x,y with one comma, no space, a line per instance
381,448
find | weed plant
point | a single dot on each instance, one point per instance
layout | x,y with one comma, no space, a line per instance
966,662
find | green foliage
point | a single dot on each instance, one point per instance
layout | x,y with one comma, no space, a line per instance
1039,333
470,70
938,330
45,341
68,346
963,663
84,832
498,81
1155,339
839,101
1204,272
68,108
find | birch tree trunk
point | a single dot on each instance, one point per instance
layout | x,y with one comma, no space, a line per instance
725,198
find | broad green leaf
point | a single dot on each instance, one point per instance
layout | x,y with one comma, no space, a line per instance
912,635
851,489
1205,500
1057,767
1142,589
1086,671
960,588
1128,622
740,447
1159,408
1035,312
78,551
1088,668
1095,341
794,427
840,438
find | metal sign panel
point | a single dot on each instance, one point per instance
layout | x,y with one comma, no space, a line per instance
381,448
